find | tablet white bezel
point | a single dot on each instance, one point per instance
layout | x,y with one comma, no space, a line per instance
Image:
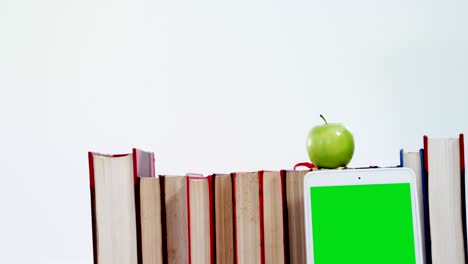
360,177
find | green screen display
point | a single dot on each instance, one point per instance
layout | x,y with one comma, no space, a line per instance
363,224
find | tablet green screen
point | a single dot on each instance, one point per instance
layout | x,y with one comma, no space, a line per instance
363,224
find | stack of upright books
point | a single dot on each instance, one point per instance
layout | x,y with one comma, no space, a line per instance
242,217
440,178
248,217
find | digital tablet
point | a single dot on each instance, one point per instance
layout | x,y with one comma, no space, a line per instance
362,216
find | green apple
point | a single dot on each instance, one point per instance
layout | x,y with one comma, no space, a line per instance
330,145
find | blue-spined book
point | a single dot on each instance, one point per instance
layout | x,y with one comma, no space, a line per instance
415,161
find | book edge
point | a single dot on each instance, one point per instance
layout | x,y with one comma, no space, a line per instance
285,218
425,185
461,141
234,215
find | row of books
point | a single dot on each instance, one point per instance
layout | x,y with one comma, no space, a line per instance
440,179
249,217
245,217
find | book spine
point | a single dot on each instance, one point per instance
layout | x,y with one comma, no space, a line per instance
213,216
135,165
138,221
285,218
91,169
188,219
401,158
212,219
425,185
136,182
463,193
261,214
234,175
426,159
93,205
162,185
234,219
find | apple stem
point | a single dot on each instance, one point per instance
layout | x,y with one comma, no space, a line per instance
326,123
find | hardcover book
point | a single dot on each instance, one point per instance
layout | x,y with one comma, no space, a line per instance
224,223
151,221
415,161
274,216
445,167
113,208
143,168
175,220
294,180
200,219
247,222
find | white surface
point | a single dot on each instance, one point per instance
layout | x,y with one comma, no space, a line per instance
361,177
210,86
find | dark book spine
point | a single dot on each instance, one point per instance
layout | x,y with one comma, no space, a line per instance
234,175
261,213
425,190
93,206
401,158
138,222
234,218
463,192
212,219
93,223
285,218
213,216
162,186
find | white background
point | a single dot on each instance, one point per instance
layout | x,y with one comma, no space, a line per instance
210,86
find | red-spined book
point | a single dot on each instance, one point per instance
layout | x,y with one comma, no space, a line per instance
294,181
445,168
259,213
200,219
114,188
223,214
112,185
150,204
174,217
